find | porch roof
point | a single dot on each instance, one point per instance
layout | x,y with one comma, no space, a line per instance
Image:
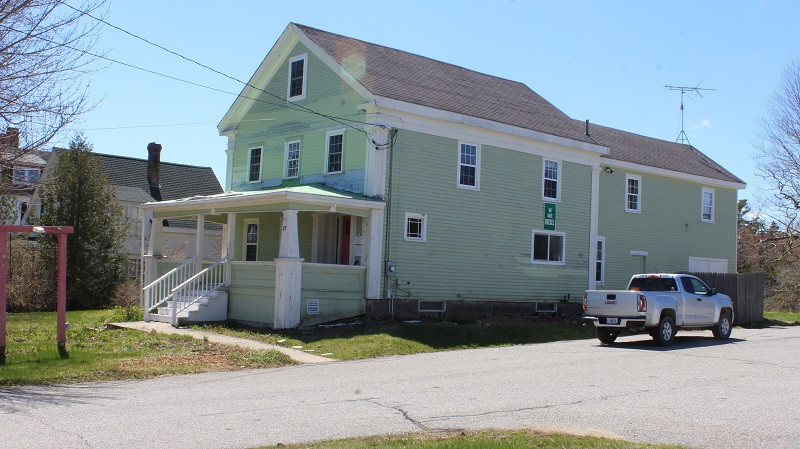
311,197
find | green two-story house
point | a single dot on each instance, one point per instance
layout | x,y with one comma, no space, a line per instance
364,179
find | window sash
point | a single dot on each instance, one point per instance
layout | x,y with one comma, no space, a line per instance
708,205
254,172
599,261
251,242
632,195
296,78
415,227
550,182
468,165
335,149
293,159
547,248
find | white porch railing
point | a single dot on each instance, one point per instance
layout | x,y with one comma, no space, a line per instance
195,288
158,292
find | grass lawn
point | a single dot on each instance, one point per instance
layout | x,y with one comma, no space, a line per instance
96,353
782,317
371,339
517,439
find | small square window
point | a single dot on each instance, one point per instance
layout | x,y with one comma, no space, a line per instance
415,227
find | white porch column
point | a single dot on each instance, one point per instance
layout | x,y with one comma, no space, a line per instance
315,238
373,239
288,272
230,248
198,243
593,223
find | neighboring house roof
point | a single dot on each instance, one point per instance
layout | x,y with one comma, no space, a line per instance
427,82
177,180
637,149
132,195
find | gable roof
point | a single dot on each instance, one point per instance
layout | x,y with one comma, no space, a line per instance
177,180
642,150
415,79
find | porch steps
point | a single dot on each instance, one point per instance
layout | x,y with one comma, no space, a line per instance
210,307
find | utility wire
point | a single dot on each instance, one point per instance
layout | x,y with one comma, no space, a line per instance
309,110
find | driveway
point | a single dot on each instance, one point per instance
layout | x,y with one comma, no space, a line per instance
743,393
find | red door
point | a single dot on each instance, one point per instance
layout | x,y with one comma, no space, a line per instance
344,238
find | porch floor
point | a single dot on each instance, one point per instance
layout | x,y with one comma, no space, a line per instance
166,328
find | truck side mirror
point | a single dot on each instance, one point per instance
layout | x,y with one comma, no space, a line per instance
712,292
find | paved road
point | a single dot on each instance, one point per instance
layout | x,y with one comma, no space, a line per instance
744,393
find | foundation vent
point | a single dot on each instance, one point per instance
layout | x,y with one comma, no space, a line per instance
432,306
312,307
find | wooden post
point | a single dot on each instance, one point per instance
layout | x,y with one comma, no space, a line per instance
61,305
3,264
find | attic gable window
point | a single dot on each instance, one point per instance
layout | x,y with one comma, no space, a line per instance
254,165
297,77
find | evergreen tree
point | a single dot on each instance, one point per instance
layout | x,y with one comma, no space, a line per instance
78,194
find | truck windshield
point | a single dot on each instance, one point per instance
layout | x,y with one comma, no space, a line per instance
653,284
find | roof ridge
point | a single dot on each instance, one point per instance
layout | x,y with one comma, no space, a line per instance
136,158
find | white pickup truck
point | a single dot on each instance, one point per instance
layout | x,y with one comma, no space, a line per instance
658,304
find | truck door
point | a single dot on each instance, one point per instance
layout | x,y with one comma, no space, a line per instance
700,306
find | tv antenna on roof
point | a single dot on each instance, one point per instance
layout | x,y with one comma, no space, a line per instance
682,138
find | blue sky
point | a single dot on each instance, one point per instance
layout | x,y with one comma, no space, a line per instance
603,61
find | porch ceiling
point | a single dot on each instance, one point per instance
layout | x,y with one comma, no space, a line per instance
301,198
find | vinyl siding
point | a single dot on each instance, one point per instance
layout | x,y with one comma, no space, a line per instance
252,292
479,242
272,121
668,228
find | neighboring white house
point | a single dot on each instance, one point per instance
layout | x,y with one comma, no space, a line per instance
21,170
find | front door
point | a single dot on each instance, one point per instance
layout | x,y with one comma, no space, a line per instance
637,264
344,239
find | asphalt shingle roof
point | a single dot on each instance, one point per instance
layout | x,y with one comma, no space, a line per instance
423,81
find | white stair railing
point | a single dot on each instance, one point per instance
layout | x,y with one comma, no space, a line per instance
195,288
158,292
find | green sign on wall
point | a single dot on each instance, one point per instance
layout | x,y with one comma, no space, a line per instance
549,217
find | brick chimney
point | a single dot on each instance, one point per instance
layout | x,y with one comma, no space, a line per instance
10,138
154,169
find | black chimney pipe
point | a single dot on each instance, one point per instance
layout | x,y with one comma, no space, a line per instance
154,169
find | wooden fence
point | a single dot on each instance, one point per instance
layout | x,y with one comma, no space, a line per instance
746,291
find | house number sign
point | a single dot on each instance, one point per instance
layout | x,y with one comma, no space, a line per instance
549,217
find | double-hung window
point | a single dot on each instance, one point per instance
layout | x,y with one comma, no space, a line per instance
708,205
599,266
254,165
633,193
297,77
251,240
551,188
415,227
468,169
334,151
292,159
548,247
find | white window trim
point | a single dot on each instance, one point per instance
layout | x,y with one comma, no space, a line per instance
563,247
424,218
638,178
477,185
304,57
327,148
601,260
703,205
249,221
260,163
557,199
286,159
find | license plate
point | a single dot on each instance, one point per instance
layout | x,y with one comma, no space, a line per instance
612,320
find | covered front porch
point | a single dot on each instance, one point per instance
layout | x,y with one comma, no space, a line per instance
292,256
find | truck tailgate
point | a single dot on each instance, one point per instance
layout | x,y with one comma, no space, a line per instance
614,303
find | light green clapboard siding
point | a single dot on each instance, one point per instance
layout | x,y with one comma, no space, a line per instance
252,292
269,238
668,228
270,124
479,242
340,290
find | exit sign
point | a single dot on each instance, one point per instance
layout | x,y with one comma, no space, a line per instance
549,217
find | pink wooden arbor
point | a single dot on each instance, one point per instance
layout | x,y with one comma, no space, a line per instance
61,304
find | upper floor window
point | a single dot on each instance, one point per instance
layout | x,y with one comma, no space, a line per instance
297,77
468,159
334,151
633,193
547,247
24,175
293,159
415,227
708,205
254,165
551,188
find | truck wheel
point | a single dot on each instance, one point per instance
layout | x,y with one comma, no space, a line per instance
722,330
666,331
606,336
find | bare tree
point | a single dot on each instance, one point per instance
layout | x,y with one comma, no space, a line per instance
45,52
